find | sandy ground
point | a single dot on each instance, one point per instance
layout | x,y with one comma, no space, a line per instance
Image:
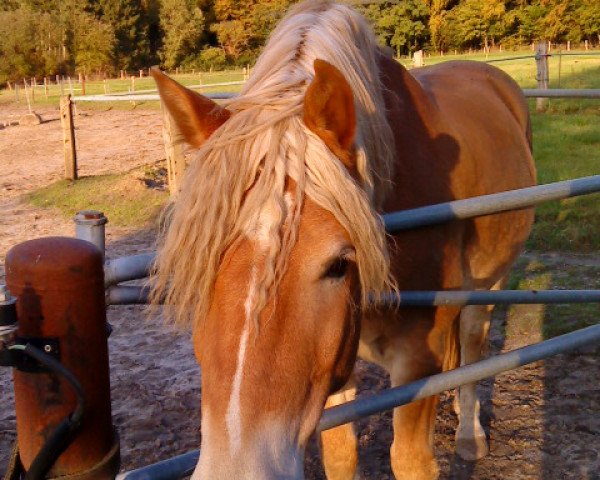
543,420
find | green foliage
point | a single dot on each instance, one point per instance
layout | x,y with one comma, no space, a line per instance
129,21
93,44
212,58
472,23
401,25
182,24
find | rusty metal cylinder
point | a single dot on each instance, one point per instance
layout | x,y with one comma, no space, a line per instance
59,285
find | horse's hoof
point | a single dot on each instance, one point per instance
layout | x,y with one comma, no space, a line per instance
472,449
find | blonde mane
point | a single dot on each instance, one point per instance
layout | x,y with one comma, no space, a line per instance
243,166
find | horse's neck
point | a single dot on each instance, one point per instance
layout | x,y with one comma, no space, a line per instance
417,127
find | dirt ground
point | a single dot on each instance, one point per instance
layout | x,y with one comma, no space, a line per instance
543,420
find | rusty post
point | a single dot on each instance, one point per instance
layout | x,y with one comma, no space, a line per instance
59,285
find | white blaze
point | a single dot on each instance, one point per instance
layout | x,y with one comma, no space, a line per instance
260,233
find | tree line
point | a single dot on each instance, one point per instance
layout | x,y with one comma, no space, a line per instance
48,37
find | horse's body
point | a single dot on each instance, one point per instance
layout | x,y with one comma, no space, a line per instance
270,356
462,131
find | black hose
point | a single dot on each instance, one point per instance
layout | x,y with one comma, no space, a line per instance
63,434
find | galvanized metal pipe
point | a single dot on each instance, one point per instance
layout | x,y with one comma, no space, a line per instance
426,387
488,204
127,295
486,297
141,98
172,468
128,268
132,295
562,93
183,465
89,226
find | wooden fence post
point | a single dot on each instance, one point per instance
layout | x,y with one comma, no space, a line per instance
418,60
68,128
46,88
542,76
27,97
33,85
173,152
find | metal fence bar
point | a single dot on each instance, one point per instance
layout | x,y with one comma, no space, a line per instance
172,468
523,57
441,382
486,297
142,98
488,204
508,59
182,465
133,295
561,93
193,87
128,268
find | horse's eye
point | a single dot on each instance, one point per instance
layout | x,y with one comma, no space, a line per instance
337,269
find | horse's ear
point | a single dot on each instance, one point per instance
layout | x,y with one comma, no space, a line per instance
329,110
196,116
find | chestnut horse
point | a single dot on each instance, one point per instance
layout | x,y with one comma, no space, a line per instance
275,243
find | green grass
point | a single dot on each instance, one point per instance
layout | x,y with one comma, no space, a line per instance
552,320
124,199
567,146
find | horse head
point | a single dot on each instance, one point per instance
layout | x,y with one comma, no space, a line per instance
269,276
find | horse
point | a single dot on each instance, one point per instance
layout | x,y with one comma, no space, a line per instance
275,253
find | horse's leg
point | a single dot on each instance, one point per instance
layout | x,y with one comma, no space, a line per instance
412,449
471,441
411,452
338,445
